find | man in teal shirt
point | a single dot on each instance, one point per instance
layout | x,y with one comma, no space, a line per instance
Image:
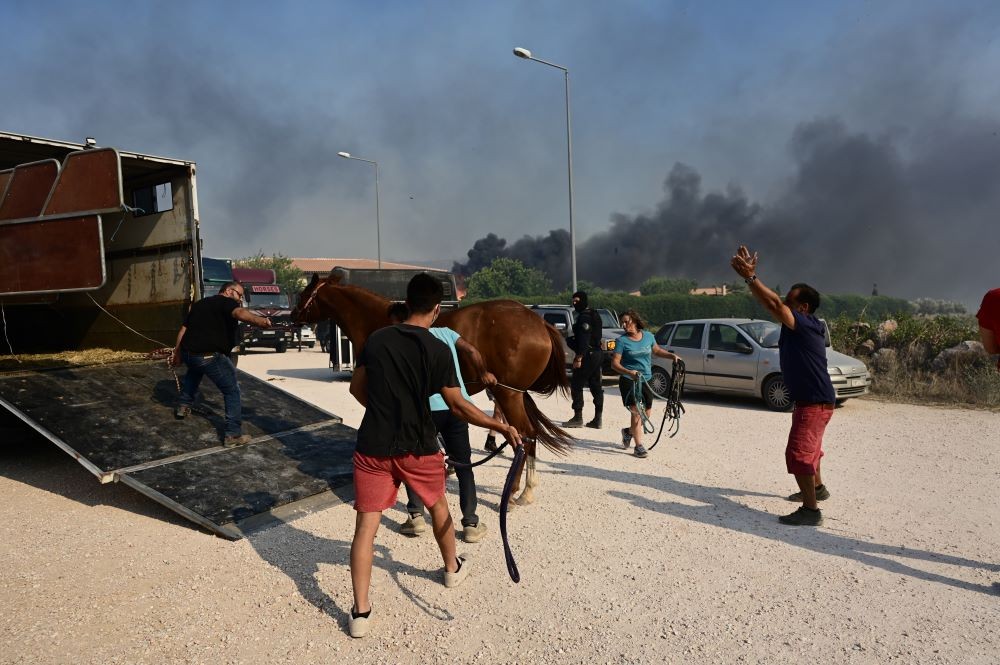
454,433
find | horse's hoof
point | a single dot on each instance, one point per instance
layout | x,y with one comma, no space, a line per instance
525,499
511,505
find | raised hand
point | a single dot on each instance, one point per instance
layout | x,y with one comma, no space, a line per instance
744,263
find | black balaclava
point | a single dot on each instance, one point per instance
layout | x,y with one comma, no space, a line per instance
582,302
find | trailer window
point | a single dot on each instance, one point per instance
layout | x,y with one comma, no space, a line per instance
153,199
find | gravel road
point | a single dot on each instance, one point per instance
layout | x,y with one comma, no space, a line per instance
675,558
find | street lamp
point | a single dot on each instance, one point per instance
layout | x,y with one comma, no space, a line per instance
378,220
526,54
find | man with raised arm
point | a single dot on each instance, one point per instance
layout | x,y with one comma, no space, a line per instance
398,370
802,353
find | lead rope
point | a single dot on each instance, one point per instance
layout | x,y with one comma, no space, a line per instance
674,408
163,352
508,488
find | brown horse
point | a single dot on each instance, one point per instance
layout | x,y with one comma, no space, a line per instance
522,350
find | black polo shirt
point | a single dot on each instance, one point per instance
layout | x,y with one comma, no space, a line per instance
210,325
405,366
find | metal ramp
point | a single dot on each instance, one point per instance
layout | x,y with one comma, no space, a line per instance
117,421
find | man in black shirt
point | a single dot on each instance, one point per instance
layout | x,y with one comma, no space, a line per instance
204,343
397,371
587,363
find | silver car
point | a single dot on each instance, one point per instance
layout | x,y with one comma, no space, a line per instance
741,356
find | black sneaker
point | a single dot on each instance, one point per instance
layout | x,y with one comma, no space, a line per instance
626,437
803,517
822,494
491,443
640,451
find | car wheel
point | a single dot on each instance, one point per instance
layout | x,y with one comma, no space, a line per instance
775,394
660,382
281,348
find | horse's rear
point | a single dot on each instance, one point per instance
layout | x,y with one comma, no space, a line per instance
524,352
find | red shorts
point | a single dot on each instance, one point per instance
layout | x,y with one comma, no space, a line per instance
377,479
805,440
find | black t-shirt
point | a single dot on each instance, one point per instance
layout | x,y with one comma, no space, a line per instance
210,325
405,366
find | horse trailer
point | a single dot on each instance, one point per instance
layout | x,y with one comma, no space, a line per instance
100,259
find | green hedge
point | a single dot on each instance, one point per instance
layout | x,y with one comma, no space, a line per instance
659,309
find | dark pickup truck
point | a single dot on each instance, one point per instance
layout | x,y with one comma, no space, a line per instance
562,318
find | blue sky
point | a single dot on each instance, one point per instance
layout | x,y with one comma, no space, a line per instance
471,140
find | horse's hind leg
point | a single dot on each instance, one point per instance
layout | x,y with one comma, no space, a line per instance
530,477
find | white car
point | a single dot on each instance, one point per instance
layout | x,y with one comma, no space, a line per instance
741,356
308,336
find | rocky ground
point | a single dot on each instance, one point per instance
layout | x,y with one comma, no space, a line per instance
675,558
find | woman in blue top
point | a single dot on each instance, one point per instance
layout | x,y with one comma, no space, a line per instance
634,361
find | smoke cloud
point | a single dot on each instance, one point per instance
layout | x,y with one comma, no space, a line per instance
855,212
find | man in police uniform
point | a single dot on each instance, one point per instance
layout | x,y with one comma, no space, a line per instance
587,363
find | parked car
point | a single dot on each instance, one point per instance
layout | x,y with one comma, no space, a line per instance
562,317
741,356
307,337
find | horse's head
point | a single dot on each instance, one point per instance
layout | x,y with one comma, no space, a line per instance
305,309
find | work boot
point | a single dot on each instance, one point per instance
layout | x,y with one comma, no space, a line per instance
803,517
414,525
182,411
237,440
596,422
473,533
576,420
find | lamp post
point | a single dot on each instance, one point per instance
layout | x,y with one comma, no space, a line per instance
378,220
526,54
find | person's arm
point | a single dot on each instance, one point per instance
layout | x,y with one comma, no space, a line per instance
175,355
465,410
663,353
244,314
581,339
745,266
475,359
616,365
359,385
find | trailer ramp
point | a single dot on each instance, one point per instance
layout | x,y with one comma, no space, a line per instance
117,421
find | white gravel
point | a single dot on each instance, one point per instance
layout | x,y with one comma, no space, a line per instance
675,558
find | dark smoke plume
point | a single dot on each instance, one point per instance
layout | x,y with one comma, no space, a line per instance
855,212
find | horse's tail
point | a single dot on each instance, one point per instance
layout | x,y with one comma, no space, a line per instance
547,432
554,376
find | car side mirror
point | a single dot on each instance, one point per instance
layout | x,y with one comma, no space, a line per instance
743,347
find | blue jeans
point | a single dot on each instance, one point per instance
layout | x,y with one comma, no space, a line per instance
455,433
219,368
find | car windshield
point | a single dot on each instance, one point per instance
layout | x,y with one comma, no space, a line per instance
277,300
765,333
